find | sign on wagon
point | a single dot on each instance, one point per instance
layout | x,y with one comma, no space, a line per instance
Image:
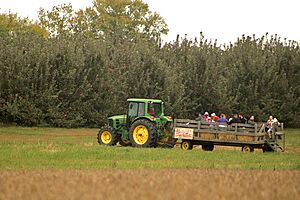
184,133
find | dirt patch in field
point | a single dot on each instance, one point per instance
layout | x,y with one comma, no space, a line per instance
149,184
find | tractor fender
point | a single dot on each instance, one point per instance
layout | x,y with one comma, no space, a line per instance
146,118
168,118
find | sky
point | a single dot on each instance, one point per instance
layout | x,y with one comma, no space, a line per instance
224,20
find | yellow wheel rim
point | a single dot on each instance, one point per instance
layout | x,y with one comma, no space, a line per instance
247,149
106,137
140,134
185,145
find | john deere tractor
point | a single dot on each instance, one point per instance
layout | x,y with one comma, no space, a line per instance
144,125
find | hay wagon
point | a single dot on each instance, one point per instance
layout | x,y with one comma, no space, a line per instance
248,136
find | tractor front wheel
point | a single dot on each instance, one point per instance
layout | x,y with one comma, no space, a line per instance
107,136
143,133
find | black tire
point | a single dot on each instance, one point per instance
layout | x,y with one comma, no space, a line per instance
208,147
186,145
124,143
247,149
107,136
138,138
266,148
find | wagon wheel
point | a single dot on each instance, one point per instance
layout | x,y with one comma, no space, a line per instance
247,149
186,145
207,147
267,148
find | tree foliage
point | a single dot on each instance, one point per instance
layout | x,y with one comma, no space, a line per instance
13,26
105,18
75,68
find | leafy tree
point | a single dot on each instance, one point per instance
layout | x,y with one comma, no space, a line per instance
120,18
11,25
75,68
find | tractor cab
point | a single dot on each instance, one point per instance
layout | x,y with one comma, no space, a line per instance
144,108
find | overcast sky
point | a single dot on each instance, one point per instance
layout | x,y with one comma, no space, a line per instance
224,20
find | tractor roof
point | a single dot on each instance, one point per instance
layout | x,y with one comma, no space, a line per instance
144,100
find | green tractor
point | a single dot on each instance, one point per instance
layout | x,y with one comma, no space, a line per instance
144,125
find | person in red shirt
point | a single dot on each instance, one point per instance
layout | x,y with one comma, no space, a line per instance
214,117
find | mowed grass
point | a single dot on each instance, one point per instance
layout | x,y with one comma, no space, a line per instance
53,148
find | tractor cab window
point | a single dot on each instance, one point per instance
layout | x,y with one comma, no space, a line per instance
154,109
136,109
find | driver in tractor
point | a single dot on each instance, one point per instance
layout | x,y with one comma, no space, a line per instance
150,109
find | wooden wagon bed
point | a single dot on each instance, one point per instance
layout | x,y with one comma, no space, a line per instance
216,133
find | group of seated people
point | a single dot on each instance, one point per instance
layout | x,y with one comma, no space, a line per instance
236,118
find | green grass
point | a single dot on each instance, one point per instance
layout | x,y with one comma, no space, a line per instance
51,148
293,137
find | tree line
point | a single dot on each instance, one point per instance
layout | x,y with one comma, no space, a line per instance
75,68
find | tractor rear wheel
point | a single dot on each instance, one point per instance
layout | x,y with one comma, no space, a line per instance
186,145
107,136
143,133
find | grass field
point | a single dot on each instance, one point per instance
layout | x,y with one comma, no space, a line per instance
49,163
51,148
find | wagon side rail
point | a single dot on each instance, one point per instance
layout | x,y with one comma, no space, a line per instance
200,126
